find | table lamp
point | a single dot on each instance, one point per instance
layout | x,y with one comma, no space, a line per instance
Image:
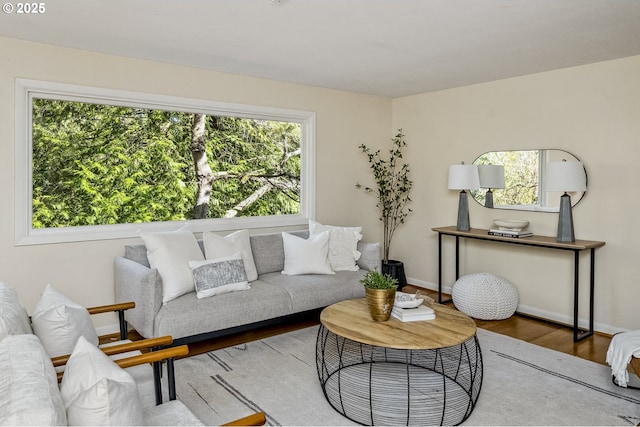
566,177
463,177
491,176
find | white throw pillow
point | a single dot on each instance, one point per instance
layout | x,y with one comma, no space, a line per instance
306,256
28,384
96,391
170,253
14,319
59,321
216,246
219,276
343,245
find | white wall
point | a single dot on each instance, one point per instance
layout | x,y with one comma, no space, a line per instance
592,111
84,271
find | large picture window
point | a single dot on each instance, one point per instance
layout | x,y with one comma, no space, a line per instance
108,164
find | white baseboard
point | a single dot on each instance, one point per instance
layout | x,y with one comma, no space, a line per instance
567,319
532,311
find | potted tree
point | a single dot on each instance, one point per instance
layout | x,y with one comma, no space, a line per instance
392,190
381,294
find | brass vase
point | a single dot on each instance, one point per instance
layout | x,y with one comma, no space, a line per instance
380,302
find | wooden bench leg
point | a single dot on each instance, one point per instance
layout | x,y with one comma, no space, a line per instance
634,366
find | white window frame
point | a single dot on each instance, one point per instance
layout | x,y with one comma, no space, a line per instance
26,90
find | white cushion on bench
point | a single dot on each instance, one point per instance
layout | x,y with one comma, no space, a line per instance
14,319
29,393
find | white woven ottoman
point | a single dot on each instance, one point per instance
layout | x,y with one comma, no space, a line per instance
485,296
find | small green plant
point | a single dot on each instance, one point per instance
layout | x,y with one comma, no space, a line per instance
376,280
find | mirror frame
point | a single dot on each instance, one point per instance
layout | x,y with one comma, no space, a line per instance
479,194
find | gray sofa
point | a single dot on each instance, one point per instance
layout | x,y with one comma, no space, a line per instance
273,297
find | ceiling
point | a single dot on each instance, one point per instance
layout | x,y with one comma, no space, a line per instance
390,48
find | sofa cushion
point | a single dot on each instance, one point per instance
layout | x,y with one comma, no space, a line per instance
137,253
187,315
218,276
217,246
170,252
318,290
14,319
96,391
343,244
28,384
268,250
59,322
306,256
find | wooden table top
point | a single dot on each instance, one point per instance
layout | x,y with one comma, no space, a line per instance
351,319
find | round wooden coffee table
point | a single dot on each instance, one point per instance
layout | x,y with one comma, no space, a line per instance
393,373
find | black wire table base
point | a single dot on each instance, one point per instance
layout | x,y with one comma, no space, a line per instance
384,386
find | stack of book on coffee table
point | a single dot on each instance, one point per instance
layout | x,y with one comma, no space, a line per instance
421,312
510,233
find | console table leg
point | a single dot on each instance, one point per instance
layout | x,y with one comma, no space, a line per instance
578,334
440,268
576,290
457,257
591,289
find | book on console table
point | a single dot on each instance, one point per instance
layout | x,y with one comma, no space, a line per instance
509,233
421,312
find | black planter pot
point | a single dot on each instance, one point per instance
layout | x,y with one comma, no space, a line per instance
396,270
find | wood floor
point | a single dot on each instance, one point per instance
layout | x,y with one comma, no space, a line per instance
536,331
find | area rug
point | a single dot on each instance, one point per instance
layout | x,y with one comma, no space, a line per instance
523,384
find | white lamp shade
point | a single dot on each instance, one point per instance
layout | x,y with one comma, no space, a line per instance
491,176
464,177
565,176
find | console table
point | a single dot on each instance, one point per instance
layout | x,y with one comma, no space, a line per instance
537,241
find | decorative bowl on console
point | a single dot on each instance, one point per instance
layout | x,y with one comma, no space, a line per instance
511,224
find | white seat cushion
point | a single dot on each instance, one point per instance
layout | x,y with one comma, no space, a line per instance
171,413
29,393
14,319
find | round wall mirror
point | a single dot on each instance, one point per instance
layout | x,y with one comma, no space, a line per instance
523,185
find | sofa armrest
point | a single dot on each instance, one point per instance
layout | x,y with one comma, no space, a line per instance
142,285
122,348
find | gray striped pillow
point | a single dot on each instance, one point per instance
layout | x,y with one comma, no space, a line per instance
218,276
